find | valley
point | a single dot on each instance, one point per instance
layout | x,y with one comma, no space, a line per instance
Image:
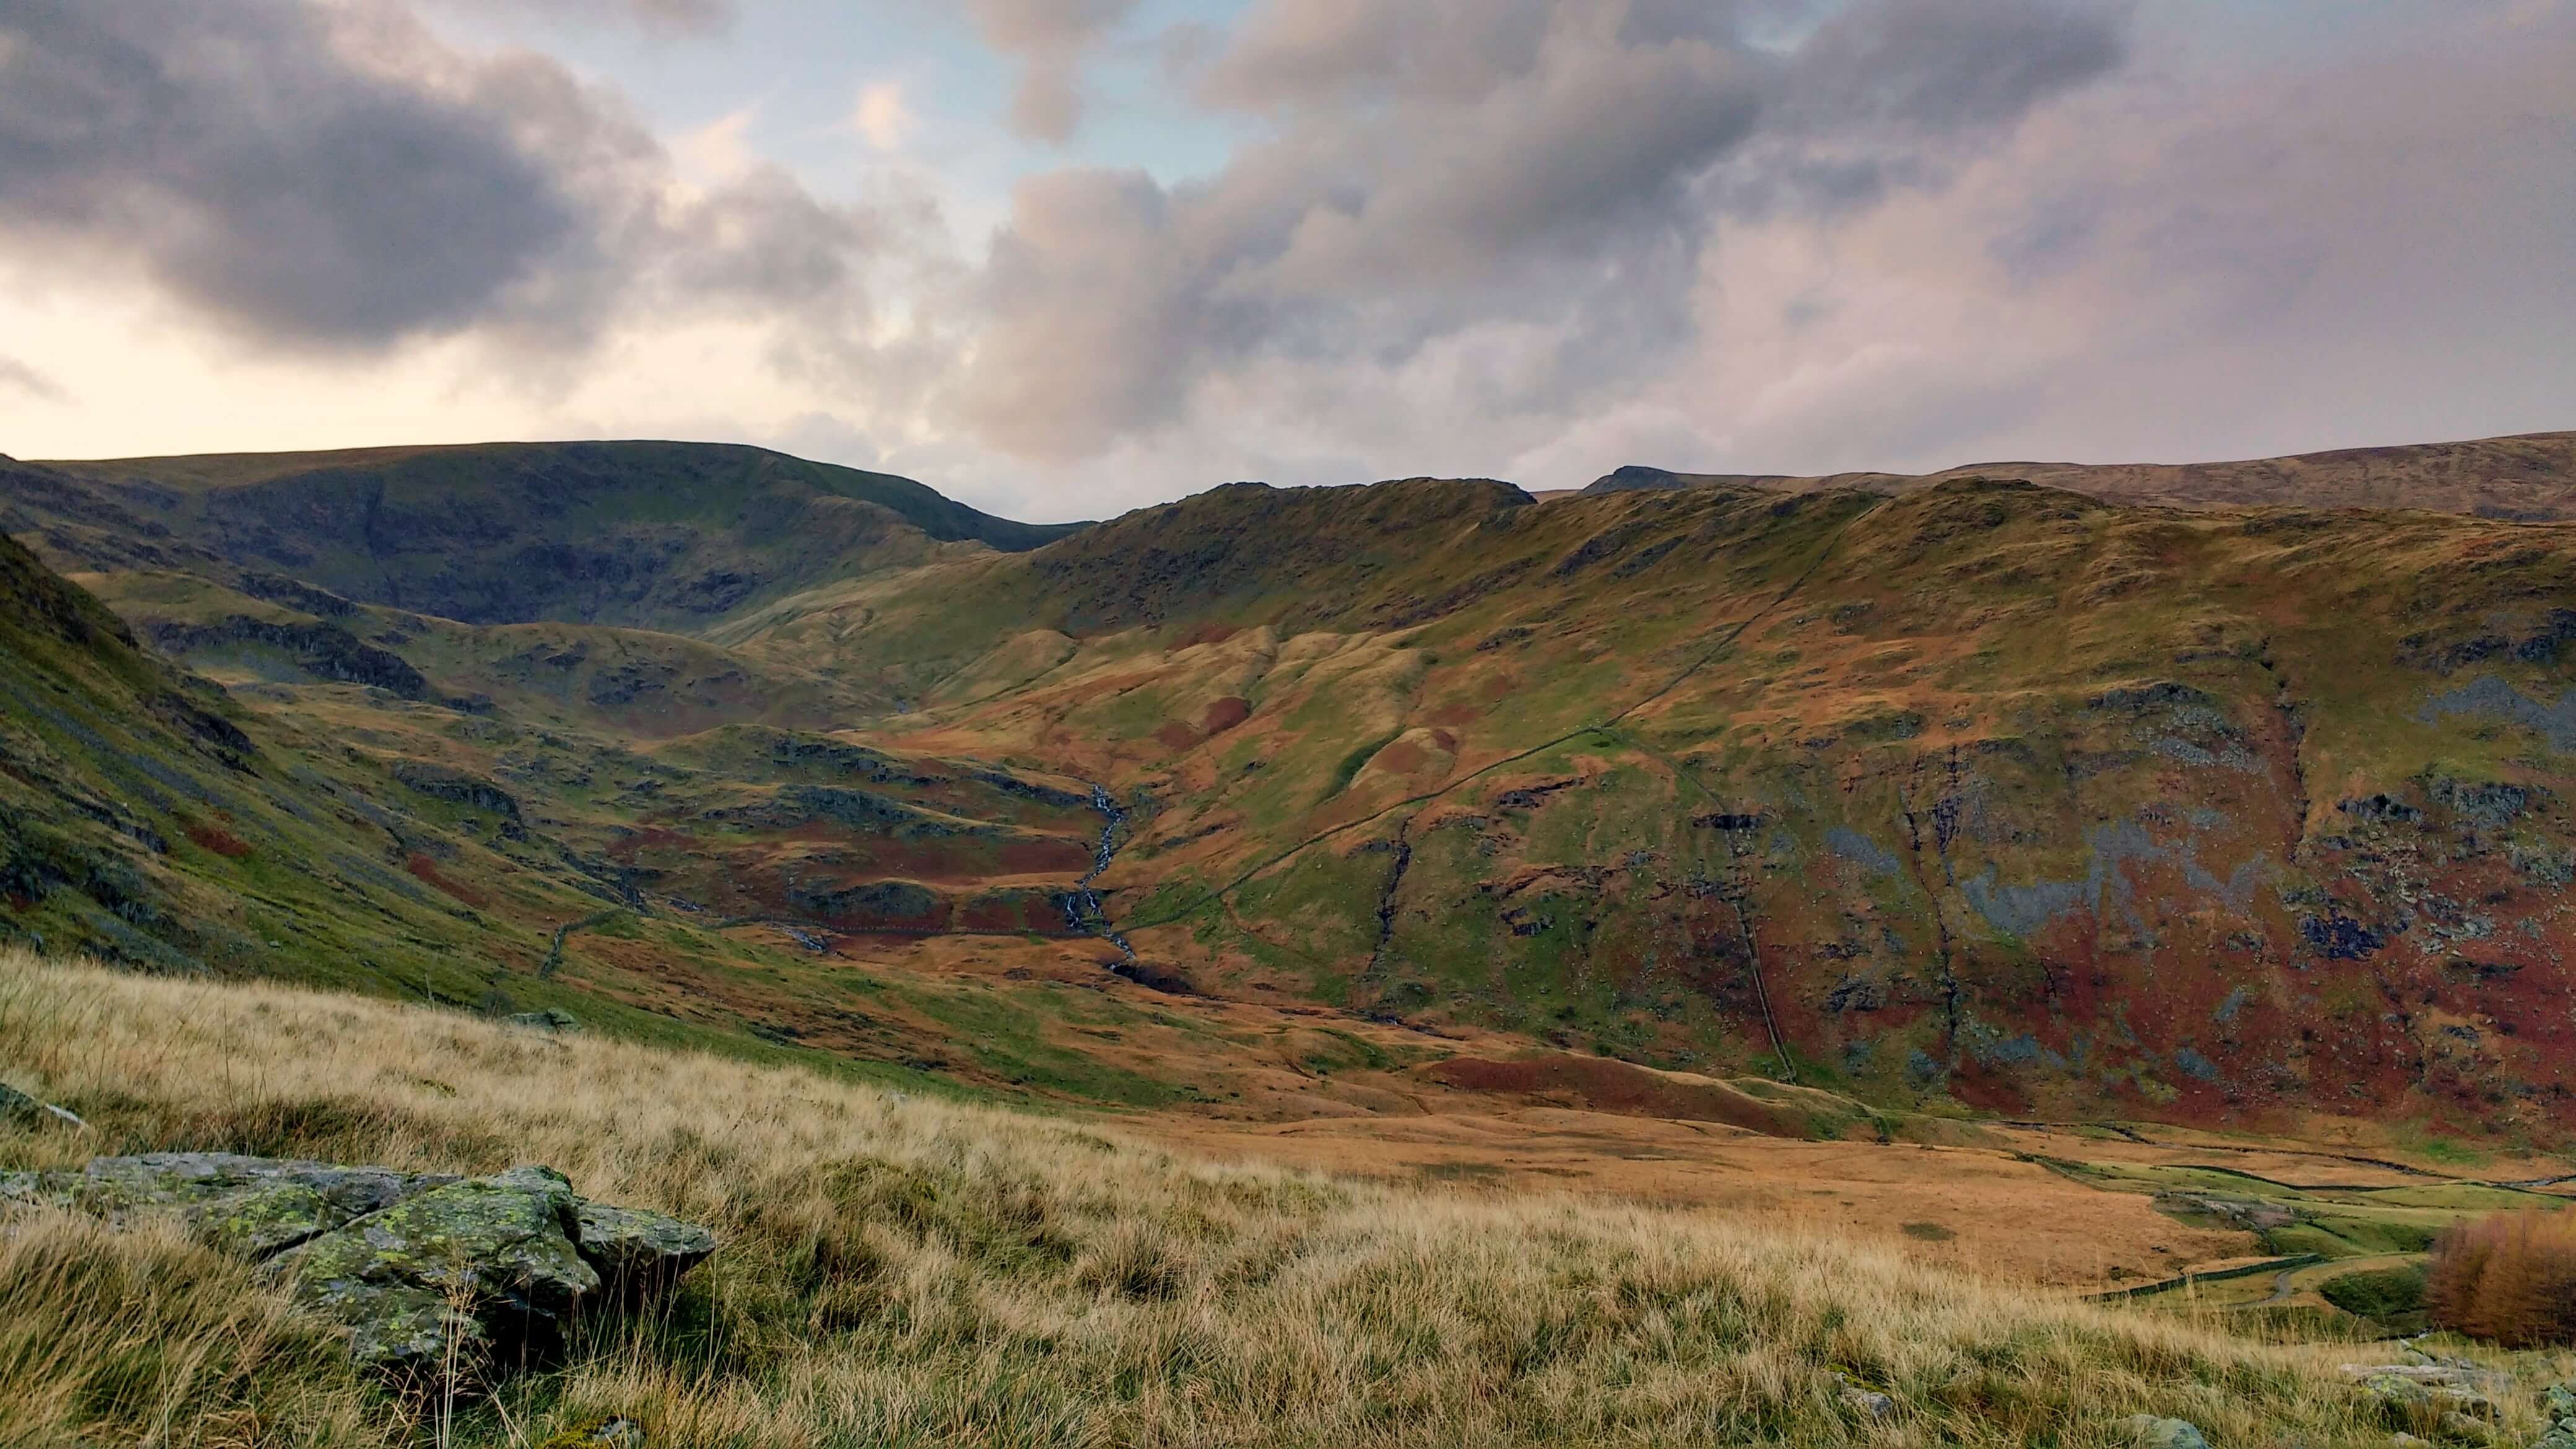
1792,848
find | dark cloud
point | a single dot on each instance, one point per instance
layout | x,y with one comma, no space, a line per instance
325,177
254,171
1050,39
1443,166
1948,64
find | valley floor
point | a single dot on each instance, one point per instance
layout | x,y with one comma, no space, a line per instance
901,1270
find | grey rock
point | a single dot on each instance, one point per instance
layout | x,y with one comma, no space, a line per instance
433,1276
2559,1402
617,1433
638,1252
2405,1390
252,1206
1869,1403
496,1250
21,1111
553,1019
2467,1430
2149,1432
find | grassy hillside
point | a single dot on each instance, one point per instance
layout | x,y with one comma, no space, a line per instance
1977,798
1987,793
2531,478
652,534
897,1271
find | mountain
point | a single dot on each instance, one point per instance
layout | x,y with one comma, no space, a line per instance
1973,795
2531,478
647,534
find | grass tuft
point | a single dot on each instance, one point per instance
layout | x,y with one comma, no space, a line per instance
911,1272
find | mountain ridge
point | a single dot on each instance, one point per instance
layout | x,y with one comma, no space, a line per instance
1982,796
2528,477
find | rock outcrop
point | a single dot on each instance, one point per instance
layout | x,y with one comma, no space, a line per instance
432,1276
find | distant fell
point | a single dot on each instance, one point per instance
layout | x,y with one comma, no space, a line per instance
2530,478
654,534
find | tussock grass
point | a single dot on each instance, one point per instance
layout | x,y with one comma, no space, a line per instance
2508,1277
911,1272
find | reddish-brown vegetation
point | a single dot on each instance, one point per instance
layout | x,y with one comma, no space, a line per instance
1600,1084
2510,1278
217,839
1224,714
425,870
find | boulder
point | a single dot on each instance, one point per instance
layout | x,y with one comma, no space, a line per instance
493,1252
432,1276
2146,1431
553,1019
249,1206
25,1113
2403,1392
639,1253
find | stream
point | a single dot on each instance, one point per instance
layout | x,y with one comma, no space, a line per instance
1083,909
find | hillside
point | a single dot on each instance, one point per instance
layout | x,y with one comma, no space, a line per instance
1986,792
643,533
2532,478
894,1270
1977,798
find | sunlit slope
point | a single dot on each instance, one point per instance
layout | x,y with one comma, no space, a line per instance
2531,478
1987,791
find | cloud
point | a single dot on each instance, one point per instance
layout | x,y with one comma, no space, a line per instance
662,17
20,377
1547,173
327,177
883,115
1050,39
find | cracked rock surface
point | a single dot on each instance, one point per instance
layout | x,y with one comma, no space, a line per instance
429,1274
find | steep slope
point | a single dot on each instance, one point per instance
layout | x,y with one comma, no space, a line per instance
1975,795
343,817
1985,793
663,535
2532,478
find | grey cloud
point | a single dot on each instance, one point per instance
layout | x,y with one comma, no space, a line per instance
22,378
1556,167
249,167
1051,39
1946,64
666,17
320,177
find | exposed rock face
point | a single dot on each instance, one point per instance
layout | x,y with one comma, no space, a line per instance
637,1252
432,1276
497,1250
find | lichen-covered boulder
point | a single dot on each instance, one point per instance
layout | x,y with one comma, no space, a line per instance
495,1252
250,1206
2146,1431
639,1253
434,1277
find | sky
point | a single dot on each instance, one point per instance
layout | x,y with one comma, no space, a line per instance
1062,258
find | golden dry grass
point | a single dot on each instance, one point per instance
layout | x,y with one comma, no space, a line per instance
909,1272
2509,1278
